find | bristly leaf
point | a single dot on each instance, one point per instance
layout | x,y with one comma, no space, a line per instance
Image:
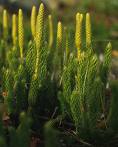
107,55
8,92
31,59
68,81
106,63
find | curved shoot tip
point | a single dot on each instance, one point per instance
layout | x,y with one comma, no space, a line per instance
41,5
77,16
81,17
59,23
50,16
14,15
4,11
41,8
109,45
33,7
87,14
20,13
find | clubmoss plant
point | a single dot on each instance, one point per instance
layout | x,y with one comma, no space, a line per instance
35,84
58,56
52,68
80,98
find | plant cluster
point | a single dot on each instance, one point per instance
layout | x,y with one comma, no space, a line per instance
53,78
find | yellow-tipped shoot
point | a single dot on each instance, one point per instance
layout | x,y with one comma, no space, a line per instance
14,29
59,34
39,26
39,33
78,33
5,23
50,31
88,30
67,43
20,32
33,21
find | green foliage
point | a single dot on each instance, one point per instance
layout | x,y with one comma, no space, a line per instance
38,80
51,134
19,136
68,81
2,142
13,137
8,90
51,76
20,88
83,97
12,58
30,59
106,63
113,113
82,100
1,127
23,131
